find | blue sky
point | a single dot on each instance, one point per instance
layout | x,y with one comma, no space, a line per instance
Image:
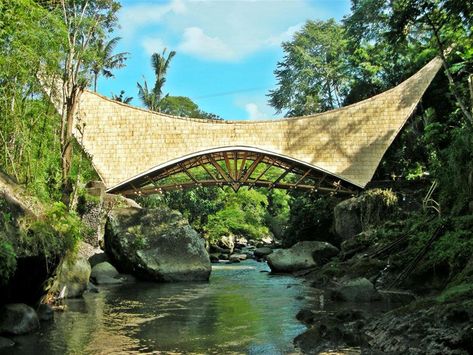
226,50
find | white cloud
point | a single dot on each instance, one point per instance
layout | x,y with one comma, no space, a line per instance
284,36
198,43
131,18
153,45
218,30
254,112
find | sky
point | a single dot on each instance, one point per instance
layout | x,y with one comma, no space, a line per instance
227,50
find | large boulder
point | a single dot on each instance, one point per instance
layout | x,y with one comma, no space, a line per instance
357,290
356,214
73,274
347,221
156,244
104,273
262,252
17,319
322,252
301,256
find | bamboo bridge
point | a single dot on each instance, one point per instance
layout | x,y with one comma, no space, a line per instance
136,151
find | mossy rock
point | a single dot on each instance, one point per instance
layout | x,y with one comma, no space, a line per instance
156,244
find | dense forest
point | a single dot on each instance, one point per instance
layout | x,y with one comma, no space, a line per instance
327,64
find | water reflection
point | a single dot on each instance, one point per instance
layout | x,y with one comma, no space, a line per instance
241,310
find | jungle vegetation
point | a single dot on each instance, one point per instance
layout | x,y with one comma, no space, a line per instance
327,64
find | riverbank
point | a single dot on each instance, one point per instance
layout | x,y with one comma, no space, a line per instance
432,298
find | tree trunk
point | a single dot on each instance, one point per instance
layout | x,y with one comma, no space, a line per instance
66,149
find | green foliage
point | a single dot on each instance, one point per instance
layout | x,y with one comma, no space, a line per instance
310,218
454,293
375,205
242,214
7,261
57,232
277,213
455,172
184,107
152,97
196,204
28,132
313,75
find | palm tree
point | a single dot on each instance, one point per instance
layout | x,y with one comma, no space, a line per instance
122,97
106,61
152,98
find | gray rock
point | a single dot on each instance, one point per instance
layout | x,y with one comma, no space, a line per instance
45,312
98,258
239,256
17,319
213,258
104,273
223,257
347,221
262,252
357,290
107,280
92,288
234,258
299,256
6,343
73,273
226,243
323,252
156,244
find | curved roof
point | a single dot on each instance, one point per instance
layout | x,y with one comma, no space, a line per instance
128,143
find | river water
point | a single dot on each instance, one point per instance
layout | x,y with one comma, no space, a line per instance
241,310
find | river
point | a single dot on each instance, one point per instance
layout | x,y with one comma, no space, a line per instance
242,309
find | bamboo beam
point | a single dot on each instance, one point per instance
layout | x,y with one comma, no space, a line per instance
282,176
220,169
242,166
285,186
303,177
235,165
227,164
264,172
209,172
252,168
188,173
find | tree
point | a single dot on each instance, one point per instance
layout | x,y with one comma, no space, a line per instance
105,61
450,25
122,97
23,115
152,98
88,22
184,107
313,76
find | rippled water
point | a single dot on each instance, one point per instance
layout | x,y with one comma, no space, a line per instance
243,309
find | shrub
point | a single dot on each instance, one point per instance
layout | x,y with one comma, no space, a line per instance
7,261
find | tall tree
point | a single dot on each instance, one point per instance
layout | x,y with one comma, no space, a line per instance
313,76
88,22
152,98
105,60
30,42
449,23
